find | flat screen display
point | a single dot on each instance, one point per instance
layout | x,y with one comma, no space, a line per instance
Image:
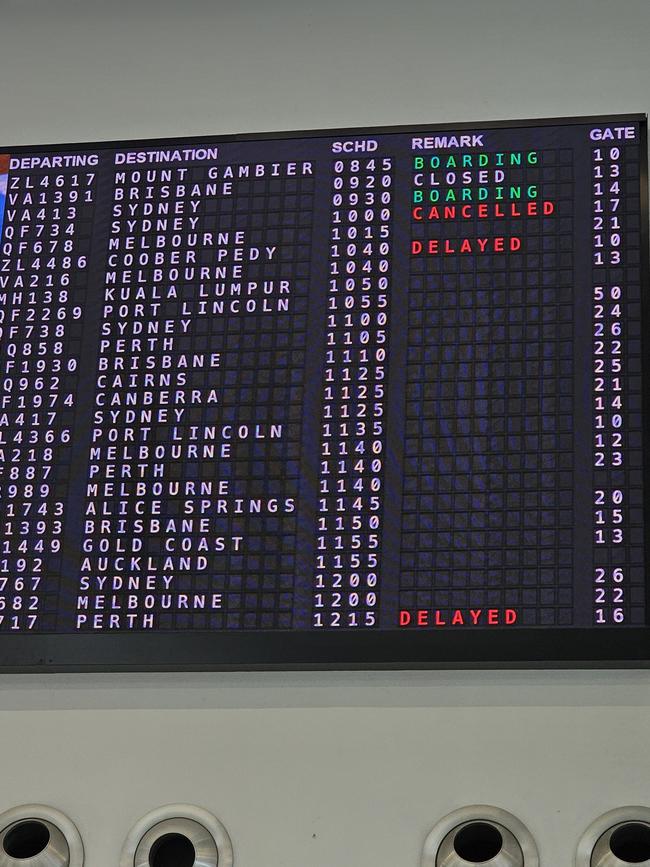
330,398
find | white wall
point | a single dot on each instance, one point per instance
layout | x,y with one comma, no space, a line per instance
84,69
309,770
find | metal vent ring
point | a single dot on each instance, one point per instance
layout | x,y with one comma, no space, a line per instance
35,835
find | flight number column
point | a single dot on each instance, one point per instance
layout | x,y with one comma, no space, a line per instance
617,493
352,436
46,239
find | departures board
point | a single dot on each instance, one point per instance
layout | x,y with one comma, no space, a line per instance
329,398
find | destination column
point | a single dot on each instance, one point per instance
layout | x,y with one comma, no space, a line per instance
190,514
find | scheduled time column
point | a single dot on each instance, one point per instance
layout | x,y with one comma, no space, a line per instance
352,438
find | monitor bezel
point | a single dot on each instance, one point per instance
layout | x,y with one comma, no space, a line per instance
496,648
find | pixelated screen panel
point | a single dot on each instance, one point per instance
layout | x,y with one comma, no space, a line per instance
325,382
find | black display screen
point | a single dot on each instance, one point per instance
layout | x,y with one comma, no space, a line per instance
360,397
